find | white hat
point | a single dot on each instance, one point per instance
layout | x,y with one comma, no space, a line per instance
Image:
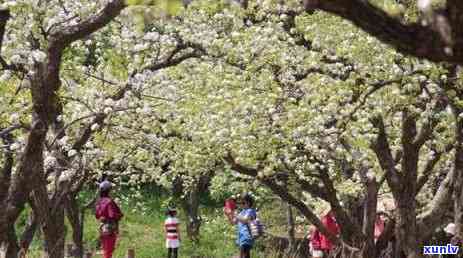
450,228
105,185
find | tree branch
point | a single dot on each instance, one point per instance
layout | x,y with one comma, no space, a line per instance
4,17
313,189
173,61
5,176
429,167
24,181
432,216
369,210
350,228
411,153
428,127
99,118
7,131
283,194
64,36
60,38
382,150
435,42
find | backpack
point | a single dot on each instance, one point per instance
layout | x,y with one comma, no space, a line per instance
109,228
256,228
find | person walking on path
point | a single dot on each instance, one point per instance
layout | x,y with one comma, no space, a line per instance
244,240
171,228
109,214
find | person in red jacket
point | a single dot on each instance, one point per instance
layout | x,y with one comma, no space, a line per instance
315,244
109,215
321,245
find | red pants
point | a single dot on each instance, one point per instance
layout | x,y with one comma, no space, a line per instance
108,243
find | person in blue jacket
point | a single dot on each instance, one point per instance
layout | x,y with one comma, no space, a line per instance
242,219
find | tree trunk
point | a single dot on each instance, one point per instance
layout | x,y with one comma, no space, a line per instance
54,232
191,206
190,203
406,228
30,165
291,228
369,216
403,183
386,242
51,216
10,248
76,220
458,187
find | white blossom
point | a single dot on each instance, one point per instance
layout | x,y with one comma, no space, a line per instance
72,153
107,110
66,175
109,102
39,56
63,141
95,127
6,75
50,161
14,118
424,5
8,4
89,144
16,59
15,146
146,110
152,36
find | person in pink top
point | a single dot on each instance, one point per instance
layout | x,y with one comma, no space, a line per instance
329,221
321,245
109,214
315,244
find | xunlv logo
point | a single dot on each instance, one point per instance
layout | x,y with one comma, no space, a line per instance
439,249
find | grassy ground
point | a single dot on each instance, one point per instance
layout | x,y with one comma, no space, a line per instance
144,233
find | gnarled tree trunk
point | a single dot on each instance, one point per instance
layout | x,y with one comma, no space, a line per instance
190,203
458,186
291,227
10,248
76,220
54,232
369,216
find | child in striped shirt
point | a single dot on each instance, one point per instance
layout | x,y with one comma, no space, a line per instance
171,227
